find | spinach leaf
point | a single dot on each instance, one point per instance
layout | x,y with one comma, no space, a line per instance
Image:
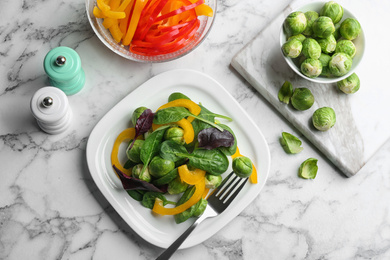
150,196
150,147
212,161
170,150
136,194
183,216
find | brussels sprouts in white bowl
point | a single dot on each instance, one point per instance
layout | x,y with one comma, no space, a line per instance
335,29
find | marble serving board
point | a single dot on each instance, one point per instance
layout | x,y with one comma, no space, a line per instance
363,124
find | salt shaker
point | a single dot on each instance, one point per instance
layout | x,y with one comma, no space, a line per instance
63,67
50,106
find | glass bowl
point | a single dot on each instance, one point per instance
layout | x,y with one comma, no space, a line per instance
359,44
105,36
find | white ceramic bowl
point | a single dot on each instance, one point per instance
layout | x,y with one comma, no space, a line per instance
105,36
359,43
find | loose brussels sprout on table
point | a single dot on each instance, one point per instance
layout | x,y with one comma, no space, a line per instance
302,99
350,29
292,48
350,84
308,169
311,68
285,92
311,48
295,23
332,10
290,143
324,118
340,64
323,27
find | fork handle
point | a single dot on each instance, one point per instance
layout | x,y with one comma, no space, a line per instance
175,245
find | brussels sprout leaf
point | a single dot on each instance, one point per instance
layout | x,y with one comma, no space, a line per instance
290,143
285,92
308,169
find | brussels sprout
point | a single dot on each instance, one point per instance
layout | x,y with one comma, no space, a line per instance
292,48
324,118
213,181
311,48
302,99
350,29
295,23
177,186
340,63
175,134
311,68
290,143
177,95
137,112
347,47
308,169
136,172
323,27
167,178
349,85
336,33
300,37
324,59
242,166
285,92
311,16
328,45
332,10
159,167
134,153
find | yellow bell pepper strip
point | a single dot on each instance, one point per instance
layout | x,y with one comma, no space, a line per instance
253,176
203,9
108,22
190,177
189,133
98,13
189,104
199,190
106,10
103,5
125,135
138,7
205,193
124,23
116,32
124,5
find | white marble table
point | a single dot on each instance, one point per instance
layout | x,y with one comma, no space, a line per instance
50,208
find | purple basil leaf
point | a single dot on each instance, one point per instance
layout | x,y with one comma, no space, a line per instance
211,138
143,124
131,183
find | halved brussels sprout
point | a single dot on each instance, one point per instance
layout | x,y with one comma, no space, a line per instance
213,181
347,47
350,84
311,16
332,10
177,186
290,143
137,112
324,118
295,23
328,45
300,37
242,166
285,92
323,27
340,63
292,48
308,169
311,48
324,59
136,172
311,68
134,153
350,29
158,167
302,99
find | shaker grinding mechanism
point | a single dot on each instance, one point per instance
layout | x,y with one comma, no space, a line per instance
63,67
50,107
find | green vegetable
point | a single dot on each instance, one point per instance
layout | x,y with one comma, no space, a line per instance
340,63
137,172
350,29
167,178
292,48
212,161
311,16
213,181
336,33
311,68
299,37
324,118
134,153
242,166
150,196
137,112
323,27
308,169
173,151
333,10
150,148
350,84
136,194
285,92
177,95
229,151
181,217
347,47
295,23
200,207
175,134
302,99
176,186
290,143
159,167
328,45
311,48
324,59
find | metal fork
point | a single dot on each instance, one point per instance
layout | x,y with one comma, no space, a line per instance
218,201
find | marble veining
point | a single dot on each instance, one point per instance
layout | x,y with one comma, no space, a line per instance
50,207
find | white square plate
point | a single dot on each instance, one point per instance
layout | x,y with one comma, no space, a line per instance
162,230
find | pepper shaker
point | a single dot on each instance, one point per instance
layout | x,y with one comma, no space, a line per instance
63,67
50,107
